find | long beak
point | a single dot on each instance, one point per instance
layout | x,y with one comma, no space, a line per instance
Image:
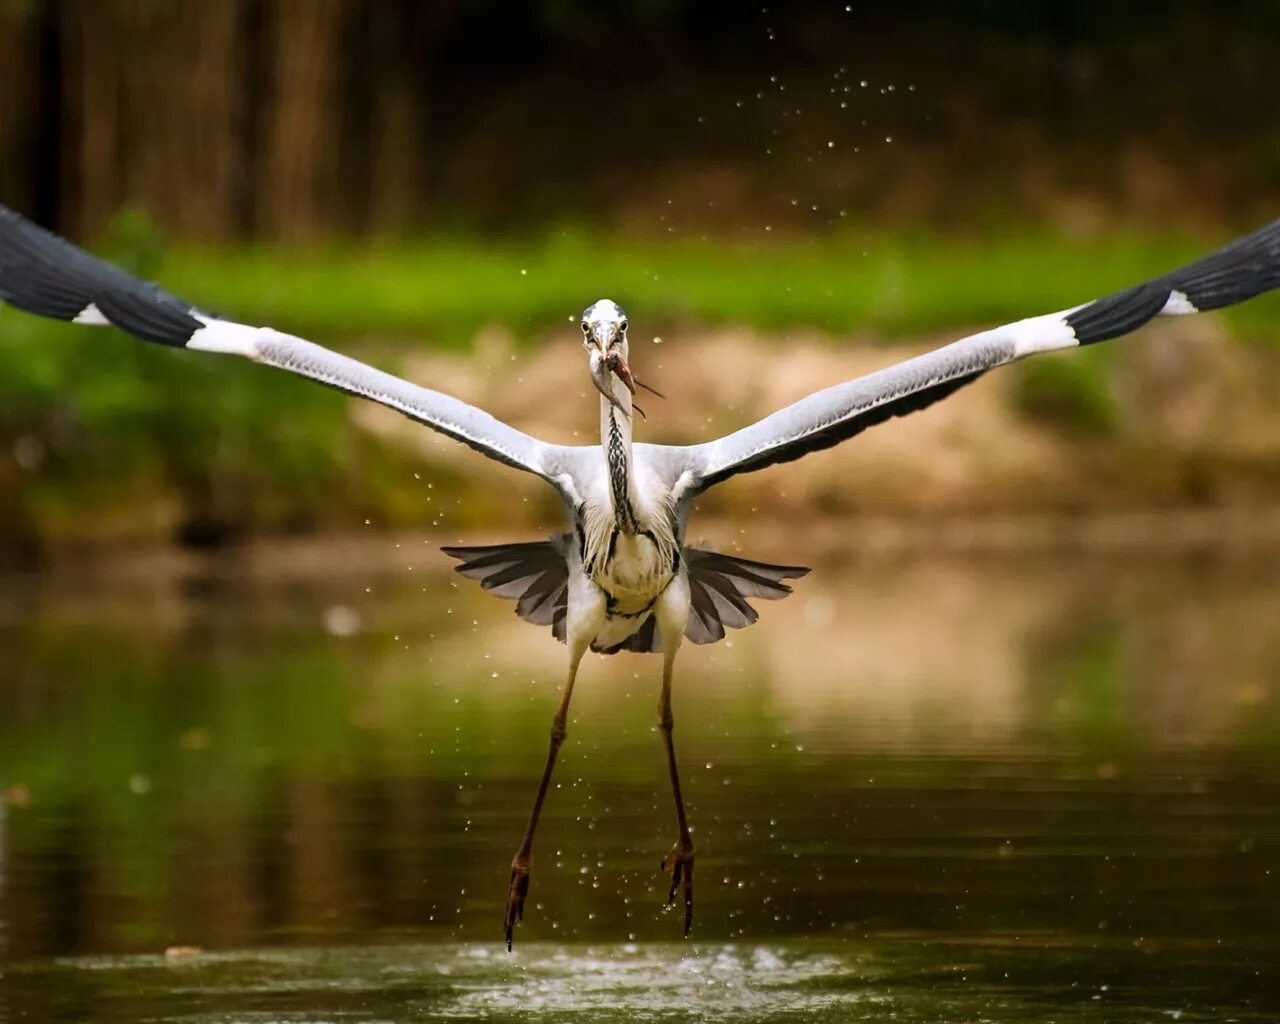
600,370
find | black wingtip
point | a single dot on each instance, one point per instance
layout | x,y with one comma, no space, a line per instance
44,274
1238,271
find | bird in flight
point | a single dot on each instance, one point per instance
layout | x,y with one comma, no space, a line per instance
622,576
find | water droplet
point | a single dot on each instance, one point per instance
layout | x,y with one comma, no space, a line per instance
341,620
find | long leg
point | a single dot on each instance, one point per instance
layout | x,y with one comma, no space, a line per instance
585,615
679,862
673,613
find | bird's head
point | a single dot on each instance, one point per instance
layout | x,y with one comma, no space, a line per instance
604,336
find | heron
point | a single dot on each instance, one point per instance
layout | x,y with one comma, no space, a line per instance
622,576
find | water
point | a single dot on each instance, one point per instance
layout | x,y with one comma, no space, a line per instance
1001,789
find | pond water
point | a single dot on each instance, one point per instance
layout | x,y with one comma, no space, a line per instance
927,789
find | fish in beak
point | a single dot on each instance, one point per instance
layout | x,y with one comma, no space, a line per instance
601,367
602,335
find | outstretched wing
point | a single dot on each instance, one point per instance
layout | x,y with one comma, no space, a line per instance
47,275
1241,270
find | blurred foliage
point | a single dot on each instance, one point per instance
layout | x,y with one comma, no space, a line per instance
1071,390
135,242
298,120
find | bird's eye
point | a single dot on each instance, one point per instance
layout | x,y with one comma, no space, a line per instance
586,327
622,326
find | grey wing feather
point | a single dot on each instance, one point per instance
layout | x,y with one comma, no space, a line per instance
535,574
448,415
719,588
542,598
1239,271
47,275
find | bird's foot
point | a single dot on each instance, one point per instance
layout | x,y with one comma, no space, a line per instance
679,865
517,892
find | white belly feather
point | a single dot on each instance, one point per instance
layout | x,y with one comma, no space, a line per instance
631,569
637,571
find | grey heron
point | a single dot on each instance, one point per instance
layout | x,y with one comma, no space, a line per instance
622,576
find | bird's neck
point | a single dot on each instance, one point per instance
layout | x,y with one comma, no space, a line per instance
615,439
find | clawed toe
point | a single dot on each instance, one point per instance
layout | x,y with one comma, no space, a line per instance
517,892
679,865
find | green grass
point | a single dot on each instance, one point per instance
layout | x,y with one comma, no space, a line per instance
441,290
135,439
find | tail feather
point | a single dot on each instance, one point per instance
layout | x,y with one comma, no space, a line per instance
536,575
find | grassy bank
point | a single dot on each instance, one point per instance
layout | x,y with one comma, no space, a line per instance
102,436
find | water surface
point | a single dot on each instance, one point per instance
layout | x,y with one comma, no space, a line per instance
933,789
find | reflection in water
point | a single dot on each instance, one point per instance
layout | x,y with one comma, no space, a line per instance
954,788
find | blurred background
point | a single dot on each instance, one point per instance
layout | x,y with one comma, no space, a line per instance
777,195
1012,750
